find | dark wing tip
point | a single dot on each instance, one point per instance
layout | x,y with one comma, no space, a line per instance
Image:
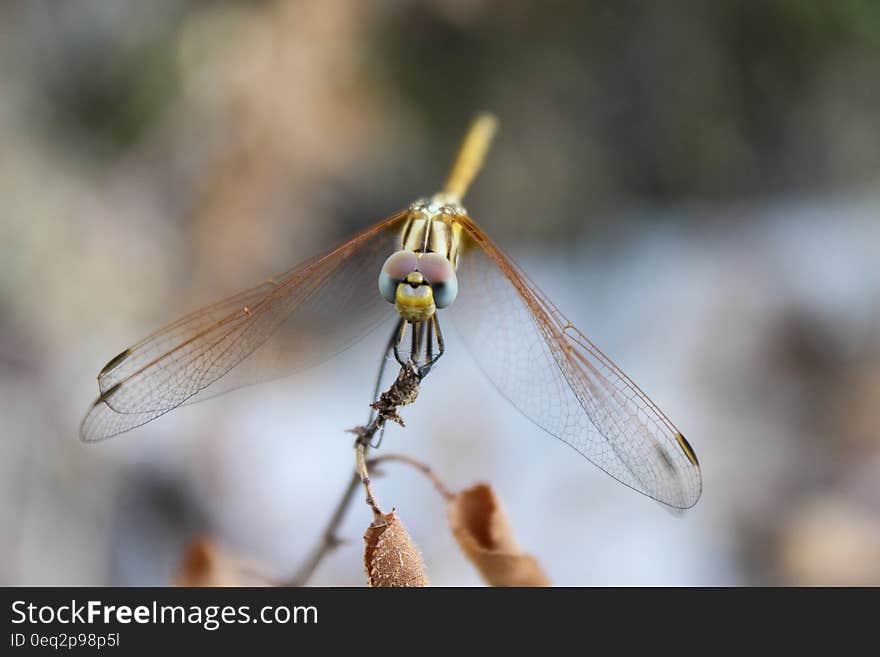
118,358
687,449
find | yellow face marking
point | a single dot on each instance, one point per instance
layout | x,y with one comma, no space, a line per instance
414,299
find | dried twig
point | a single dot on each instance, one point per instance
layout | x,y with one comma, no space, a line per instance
403,391
329,538
364,475
424,468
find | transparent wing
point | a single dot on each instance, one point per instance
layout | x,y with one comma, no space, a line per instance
558,379
287,323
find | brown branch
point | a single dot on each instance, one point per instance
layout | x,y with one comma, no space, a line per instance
403,391
329,537
364,475
424,468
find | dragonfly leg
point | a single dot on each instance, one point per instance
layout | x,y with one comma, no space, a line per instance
429,340
431,327
424,336
415,346
441,347
426,344
389,349
399,334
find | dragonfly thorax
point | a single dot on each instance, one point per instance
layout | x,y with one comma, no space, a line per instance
433,226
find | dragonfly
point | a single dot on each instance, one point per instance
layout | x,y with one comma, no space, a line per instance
426,263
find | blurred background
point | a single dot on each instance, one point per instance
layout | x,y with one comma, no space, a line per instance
693,183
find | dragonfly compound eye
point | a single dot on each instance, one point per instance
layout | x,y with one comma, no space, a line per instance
440,274
395,270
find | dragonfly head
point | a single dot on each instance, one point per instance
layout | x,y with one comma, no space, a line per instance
418,284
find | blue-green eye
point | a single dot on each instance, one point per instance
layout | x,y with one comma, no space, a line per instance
440,274
396,268
387,287
445,293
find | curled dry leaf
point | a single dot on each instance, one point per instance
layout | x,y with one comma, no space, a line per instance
486,537
390,557
204,563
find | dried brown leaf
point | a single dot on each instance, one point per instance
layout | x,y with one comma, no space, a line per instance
486,537
390,557
205,563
